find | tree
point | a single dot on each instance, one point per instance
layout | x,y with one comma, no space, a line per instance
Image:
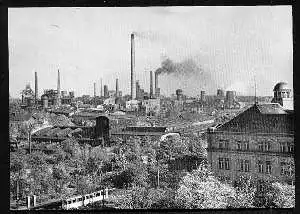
17,172
245,193
200,189
285,195
61,178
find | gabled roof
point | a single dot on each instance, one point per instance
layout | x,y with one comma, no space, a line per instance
261,118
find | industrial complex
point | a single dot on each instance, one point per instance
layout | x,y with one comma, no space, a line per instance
252,138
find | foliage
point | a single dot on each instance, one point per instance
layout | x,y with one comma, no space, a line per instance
200,189
245,193
285,195
275,195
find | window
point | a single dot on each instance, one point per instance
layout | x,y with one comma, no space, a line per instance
268,167
241,164
283,168
223,144
286,169
247,165
264,146
221,163
283,147
260,147
226,145
227,165
290,148
267,146
239,145
244,165
246,146
260,167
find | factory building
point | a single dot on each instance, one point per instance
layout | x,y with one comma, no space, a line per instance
133,105
28,96
220,93
111,93
259,142
230,100
151,106
85,134
179,94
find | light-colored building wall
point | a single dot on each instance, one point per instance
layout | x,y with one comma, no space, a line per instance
253,154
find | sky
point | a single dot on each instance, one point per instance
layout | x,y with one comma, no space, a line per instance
233,47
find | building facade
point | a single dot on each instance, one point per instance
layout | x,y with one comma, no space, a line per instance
258,143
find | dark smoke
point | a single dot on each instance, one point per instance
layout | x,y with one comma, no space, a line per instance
187,67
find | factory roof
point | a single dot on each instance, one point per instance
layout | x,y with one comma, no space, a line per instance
56,131
138,133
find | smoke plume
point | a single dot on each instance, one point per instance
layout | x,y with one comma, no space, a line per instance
187,67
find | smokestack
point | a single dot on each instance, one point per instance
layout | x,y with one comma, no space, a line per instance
117,87
202,97
36,88
137,88
94,89
151,84
133,89
101,86
58,87
156,80
105,91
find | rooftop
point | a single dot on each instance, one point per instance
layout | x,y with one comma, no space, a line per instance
271,108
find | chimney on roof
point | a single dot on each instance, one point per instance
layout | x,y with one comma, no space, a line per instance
94,89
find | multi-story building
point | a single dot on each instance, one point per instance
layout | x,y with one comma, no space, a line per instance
257,143
152,106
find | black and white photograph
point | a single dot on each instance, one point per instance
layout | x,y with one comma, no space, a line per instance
162,107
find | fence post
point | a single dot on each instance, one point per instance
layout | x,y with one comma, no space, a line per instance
28,202
34,200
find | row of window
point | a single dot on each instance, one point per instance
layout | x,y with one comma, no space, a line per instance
262,146
263,166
